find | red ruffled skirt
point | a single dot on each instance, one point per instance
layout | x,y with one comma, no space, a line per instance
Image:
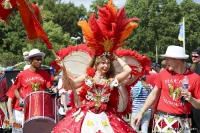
74,122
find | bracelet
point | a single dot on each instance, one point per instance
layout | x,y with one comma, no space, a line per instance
65,108
124,65
143,111
11,117
115,57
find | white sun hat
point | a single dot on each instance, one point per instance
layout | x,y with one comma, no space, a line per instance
176,52
33,53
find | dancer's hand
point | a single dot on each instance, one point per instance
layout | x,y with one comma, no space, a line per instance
60,63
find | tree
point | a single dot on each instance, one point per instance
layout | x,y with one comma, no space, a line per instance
67,16
95,4
157,25
12,42
189,10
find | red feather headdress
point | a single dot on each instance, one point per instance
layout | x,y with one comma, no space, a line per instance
108,32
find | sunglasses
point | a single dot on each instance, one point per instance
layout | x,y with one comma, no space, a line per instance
38,59
195,56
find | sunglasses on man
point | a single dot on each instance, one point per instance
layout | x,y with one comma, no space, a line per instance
38,59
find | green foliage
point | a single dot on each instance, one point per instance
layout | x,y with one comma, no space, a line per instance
190,10
66,15
94,5
157,25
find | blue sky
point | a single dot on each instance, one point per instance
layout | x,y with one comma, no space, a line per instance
118,3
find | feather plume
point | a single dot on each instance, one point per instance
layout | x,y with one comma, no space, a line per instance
109,30
86,29
126,33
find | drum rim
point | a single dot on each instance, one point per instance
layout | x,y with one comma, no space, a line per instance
36,117
34,93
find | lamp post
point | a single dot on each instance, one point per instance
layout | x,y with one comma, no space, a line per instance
75,38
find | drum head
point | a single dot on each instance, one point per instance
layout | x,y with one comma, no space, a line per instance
39,125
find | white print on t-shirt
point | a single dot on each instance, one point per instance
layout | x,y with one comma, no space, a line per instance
174,87
173,81
174,93
34,78
172,102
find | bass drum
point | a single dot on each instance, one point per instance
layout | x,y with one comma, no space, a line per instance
40,114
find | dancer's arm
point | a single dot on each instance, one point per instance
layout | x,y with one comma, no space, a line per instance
126,70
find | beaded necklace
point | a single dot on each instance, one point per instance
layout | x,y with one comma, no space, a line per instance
99,79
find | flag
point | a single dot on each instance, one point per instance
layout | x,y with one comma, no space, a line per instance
180,36
30,18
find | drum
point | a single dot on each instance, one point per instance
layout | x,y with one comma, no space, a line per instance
39,112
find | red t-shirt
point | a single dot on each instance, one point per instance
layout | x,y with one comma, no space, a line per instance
15,101
28,81
170,84
151,78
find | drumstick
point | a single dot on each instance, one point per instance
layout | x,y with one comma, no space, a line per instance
17,125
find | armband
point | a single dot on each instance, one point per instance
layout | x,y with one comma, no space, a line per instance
115,57
124,65
64,78
143,111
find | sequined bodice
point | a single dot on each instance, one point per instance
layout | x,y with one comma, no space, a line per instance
98,94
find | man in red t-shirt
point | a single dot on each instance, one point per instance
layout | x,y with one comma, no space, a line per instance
34,78
175,92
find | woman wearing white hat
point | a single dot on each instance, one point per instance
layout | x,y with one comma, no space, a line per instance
176,90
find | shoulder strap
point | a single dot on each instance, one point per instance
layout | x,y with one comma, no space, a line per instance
1,78
139,85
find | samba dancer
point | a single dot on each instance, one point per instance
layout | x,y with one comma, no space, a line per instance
174,105
101,80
